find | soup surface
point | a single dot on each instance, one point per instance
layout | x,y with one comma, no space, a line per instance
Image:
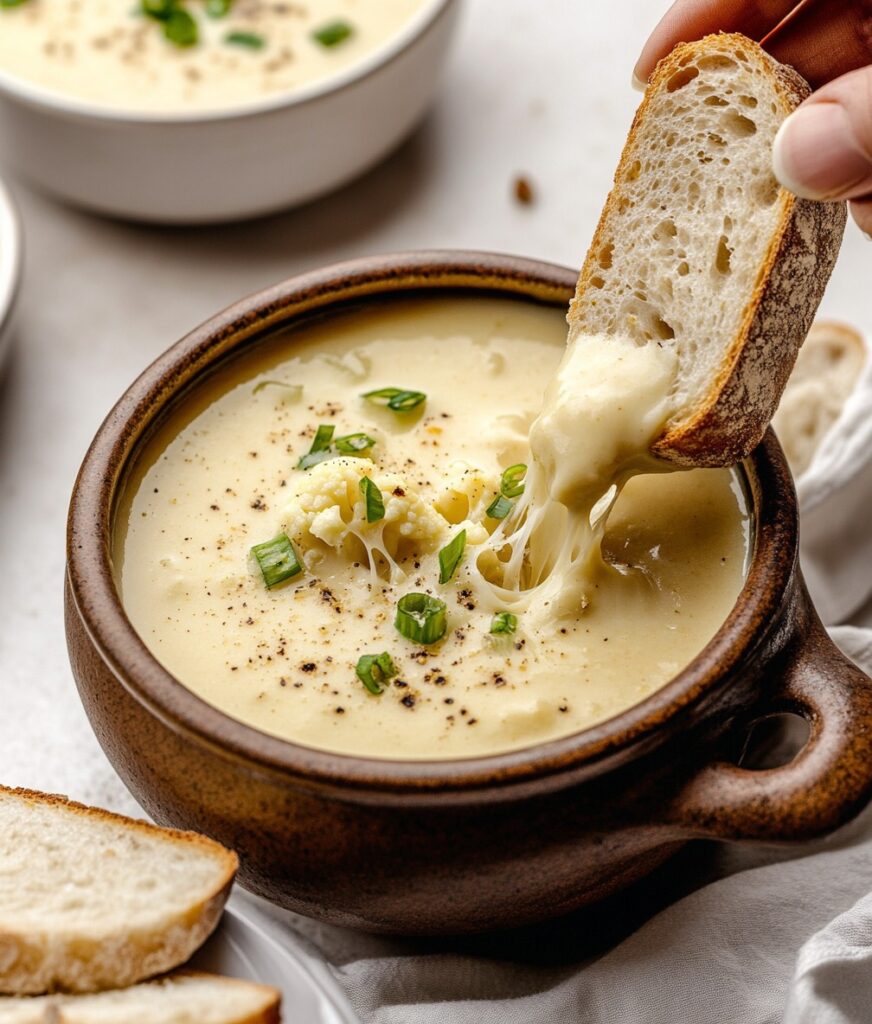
222,476
214,54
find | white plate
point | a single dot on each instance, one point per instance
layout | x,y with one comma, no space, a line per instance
250,943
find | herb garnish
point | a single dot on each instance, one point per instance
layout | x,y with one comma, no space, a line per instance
421,618
511,484
323,445
351,444
499,508
396,399
450,555
333,33
372,496
504,622
320,449
249,40
277,560
374,670
178,25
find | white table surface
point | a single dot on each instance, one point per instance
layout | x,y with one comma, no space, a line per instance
535,87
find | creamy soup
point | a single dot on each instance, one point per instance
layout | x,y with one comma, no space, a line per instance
190,55
517,662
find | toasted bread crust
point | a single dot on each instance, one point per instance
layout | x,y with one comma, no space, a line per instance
34,963
743,398
51,1008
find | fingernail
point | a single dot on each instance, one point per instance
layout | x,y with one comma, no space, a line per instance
638,83
816,154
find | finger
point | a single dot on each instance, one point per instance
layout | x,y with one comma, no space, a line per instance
687,20
825,39
824,149
861,211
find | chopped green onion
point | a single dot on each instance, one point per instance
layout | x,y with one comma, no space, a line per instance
372,496
320,449
11,3
421,618
450,555
323,437
499,508
295,391
511,485
396,399
504,622
311,459
277,560
218,8
351,444
160,10
333,33
178,25
250,40
374,670
181,29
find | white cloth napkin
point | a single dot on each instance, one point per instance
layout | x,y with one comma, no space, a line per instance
749,935
835,499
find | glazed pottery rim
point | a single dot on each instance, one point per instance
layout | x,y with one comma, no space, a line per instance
100,483
43,98
11,255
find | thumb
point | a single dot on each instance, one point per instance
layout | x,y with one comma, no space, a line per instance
824,149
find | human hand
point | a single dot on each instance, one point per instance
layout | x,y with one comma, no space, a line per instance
824,149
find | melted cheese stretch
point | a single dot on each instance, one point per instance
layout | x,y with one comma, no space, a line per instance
607,402
221,477
106,52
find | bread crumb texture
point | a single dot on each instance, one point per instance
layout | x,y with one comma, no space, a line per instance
701,250
91,900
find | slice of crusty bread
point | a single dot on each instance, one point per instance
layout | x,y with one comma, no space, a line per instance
826,371
186,997
90,900
699,248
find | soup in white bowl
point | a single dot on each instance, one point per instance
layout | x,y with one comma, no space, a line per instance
190,55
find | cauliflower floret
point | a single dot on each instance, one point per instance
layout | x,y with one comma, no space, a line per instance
466,493
329,509
328,526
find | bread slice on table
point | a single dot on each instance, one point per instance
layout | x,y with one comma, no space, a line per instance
699,248
186,997
826,372
91,900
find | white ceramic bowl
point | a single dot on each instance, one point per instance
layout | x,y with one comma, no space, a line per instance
231,163
10,267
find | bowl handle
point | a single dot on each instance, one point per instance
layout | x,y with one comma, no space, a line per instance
829,780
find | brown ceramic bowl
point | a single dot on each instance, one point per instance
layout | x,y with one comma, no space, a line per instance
488,842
